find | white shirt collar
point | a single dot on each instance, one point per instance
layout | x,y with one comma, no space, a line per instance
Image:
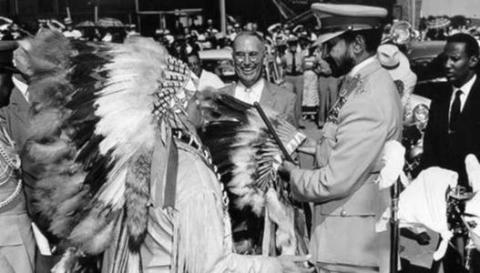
361,65
21,86
253,94
466,88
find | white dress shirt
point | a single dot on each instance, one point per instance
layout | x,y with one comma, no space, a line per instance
250,95
465,91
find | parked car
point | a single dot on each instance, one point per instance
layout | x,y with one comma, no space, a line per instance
220,62
426,58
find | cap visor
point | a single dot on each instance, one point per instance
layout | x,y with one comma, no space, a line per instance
322,38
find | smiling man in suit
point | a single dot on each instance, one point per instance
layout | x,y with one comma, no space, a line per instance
248,57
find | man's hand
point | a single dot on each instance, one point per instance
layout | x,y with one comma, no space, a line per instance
285,169
423,238
295,264
309,146
288,166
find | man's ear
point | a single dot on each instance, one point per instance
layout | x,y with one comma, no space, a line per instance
473,61
359,44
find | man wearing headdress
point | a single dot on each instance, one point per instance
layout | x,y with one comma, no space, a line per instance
119,167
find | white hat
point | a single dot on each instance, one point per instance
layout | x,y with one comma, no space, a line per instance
292,38
392,59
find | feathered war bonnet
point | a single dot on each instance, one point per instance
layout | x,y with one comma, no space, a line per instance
98,111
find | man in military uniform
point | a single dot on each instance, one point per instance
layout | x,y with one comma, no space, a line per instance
367,114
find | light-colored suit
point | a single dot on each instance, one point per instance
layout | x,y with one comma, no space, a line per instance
273,97
346,198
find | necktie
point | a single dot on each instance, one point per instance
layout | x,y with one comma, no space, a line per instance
455,111
294,65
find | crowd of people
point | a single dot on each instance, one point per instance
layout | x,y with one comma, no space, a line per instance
110,148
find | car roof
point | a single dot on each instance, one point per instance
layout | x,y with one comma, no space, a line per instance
216,54
426,49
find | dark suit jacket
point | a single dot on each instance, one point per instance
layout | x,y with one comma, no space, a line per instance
273,97
449,150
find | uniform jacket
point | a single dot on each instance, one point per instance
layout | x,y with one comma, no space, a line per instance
275,98
449,151
346,199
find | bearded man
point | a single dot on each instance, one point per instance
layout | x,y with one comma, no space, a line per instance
367,114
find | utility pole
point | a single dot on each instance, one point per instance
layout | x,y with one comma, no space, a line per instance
95,10
223,17
414,13
67,7
13,7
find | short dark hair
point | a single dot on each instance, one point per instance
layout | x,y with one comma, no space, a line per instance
373,38
471,45
248,34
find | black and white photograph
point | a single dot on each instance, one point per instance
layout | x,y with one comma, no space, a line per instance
239,136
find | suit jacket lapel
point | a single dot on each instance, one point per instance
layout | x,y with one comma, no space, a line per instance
267,98
444,109
20,105
231,90
473,99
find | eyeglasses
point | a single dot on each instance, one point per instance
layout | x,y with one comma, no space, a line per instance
241,56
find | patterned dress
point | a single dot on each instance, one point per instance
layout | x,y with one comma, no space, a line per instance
17,245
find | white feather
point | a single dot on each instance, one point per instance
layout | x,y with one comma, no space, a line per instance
125,107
